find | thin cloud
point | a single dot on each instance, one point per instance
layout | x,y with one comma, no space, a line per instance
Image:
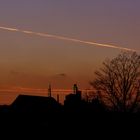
62,75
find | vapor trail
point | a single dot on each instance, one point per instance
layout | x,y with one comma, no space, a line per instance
66,38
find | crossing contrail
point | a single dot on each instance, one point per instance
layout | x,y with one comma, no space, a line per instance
66,38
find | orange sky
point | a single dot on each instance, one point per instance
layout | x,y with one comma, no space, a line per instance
34,62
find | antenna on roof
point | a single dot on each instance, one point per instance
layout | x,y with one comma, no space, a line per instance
49,91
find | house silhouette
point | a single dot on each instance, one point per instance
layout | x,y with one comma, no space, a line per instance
28,103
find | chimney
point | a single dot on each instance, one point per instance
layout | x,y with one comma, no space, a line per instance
75,89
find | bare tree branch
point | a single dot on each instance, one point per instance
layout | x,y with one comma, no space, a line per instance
118,81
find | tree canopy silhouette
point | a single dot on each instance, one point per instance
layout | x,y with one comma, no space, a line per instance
118,82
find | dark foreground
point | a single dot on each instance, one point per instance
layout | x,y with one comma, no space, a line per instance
70,125
45,118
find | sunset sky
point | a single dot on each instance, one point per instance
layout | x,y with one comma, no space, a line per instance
32,62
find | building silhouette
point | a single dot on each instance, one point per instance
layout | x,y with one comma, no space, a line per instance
73,100
28,103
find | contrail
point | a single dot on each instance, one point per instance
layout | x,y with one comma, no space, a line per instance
66,38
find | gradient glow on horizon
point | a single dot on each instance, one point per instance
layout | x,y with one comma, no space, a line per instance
33,61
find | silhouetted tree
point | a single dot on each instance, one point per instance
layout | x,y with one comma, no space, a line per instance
118,82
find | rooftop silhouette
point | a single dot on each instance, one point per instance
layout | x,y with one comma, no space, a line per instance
45,113
28,103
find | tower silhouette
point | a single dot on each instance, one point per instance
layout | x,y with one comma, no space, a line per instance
75,88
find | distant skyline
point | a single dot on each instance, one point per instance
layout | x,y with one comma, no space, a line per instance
34,62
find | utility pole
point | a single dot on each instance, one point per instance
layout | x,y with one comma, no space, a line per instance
58,98
49,91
